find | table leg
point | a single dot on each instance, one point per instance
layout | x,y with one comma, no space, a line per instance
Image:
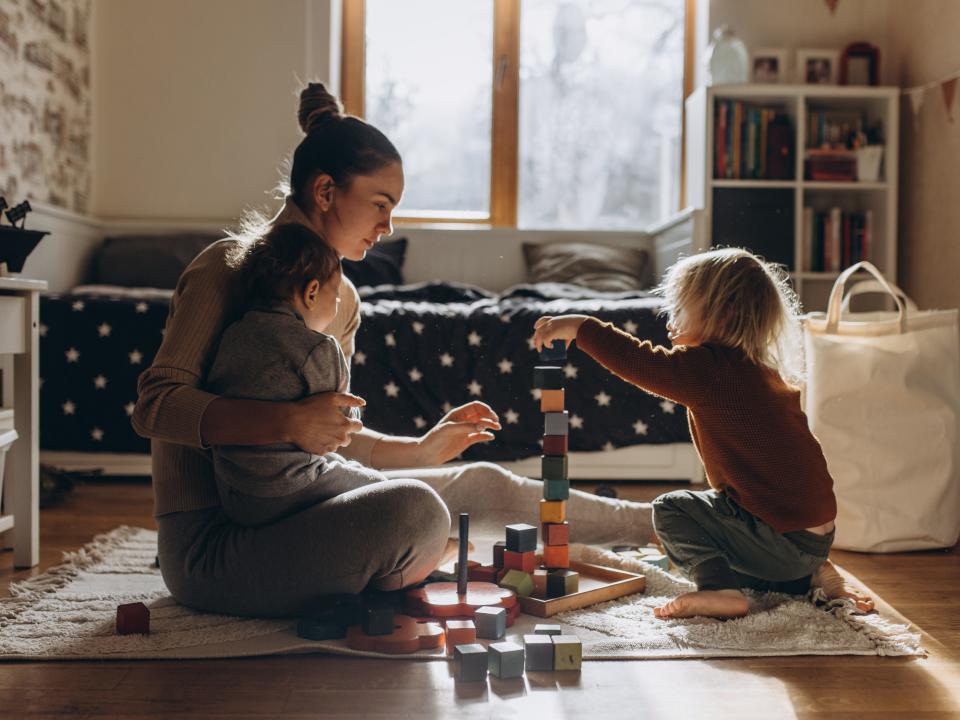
24,462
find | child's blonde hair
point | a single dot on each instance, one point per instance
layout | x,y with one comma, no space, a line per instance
731,297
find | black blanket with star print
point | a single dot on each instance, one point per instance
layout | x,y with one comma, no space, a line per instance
420,350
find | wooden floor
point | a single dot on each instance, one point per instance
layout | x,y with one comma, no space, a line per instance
923,586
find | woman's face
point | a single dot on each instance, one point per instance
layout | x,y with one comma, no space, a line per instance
354,218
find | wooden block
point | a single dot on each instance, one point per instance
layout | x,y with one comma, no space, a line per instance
556,423
377,618
556,556
460,632
133,618
470,660
556,489
553,511
548,377
555,533
471,565
521,537
539,582
484,573
547,629
551,400
553,467
505,660
567,652
491,622
520,582
555,445
525,561
408,636
539,652
443,600
554,352
661,561
562,582
320,628
498,549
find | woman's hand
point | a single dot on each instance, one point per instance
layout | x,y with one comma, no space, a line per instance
317,424
457,430
565,327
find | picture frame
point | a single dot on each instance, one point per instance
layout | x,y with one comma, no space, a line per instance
768,65
860,64
818,66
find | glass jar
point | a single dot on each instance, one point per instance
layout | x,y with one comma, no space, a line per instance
726,58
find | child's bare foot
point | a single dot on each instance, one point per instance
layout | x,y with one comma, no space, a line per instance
835,586
709,603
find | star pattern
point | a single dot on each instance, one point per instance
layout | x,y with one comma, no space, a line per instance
419,422
141,308
609,446
97,434
668,407
474,339
640,427
631,327
78,306
104,330
100,382
511,417
69,408
43,329
415,375
360,358
603,400
129,408
576,422
390,340
136,357
570,371
446,360
537,393
392,389
475,388
506,367
417,327
72,355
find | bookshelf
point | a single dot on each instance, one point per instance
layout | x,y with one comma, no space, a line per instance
759,201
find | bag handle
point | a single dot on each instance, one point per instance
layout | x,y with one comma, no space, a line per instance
865,287
836,295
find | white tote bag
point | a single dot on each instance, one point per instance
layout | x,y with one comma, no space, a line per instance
883,399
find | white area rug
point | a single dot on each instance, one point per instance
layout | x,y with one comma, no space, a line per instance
69,612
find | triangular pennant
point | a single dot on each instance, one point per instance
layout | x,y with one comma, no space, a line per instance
916,101
949,90
832,4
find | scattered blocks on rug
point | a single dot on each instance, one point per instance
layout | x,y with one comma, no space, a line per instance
548,377
471,662
520,582
554,444
505,660
555,533
498,548
491,622
661,561
556,489
133,618
554,352
525,561
539,582
538,652
377,618
323,627
460,632
562,582
553,511
556,556
567,652
553,467
521,538
484,573
556,423
547,629
551,400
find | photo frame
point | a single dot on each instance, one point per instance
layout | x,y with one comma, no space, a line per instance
817,66
768,65
860,64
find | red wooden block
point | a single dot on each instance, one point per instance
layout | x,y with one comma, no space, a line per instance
519,561
133,618
483,573
556,556
554,444
555,533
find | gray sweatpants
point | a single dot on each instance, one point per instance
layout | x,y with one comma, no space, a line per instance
719,545
387,535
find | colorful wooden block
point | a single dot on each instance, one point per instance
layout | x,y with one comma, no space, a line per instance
556,423
555,533
525,561
471,565
520,582
460,632
562,582
320,628
556,556
471,662
491,622
498,549
554,444
547,629
553,467
553,511
521,537
551,400
505,660
539,582
538,652
661,561
548,377
408,636
556,489
554,352
484,573
133,618
377,618
567,652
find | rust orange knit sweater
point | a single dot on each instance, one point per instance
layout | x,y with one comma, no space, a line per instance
746,423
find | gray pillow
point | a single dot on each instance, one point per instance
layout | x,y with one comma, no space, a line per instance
597,267
147,260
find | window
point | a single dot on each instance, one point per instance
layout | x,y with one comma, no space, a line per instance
528,113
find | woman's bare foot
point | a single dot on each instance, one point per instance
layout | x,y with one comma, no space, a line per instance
709,603
835,586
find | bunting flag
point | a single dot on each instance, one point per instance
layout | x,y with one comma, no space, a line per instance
949,90
916,101
832,4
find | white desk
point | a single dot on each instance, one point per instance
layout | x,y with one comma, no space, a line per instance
19,337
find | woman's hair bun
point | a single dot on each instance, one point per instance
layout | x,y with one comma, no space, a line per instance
317,105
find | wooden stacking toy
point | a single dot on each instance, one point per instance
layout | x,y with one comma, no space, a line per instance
133,618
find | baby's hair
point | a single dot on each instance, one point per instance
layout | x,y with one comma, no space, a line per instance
731,297
280,264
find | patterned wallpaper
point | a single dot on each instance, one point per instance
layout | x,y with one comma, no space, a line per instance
45,102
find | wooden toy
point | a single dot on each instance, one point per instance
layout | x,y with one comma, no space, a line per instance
548,377
407,636
554,352
521,538
597,584
554,444
443,601
483,573
491,622
505,660
460,632
525,561
464,550
551,400
556,489
555,533
377,618
133,618
320,628
567,652
156,561
519,582
539,582
553,511
348,609
538,652
498,548
562,582
472,565
553,467
470,660
556,423
661,561
556,556
546,629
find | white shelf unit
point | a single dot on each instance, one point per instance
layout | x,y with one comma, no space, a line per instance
704,191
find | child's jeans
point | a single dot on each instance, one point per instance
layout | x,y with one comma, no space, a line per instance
719,545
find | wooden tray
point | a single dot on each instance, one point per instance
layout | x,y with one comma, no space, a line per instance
597,584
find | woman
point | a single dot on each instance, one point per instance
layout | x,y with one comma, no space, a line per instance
345,181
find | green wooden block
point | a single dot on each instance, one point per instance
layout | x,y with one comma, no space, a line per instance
556,489
518,581
553,467
505,660
567,652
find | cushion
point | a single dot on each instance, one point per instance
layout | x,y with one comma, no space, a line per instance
155,261
597,267
383,264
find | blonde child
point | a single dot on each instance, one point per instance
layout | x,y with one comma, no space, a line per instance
767,523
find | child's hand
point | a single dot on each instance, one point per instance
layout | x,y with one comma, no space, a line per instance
547,329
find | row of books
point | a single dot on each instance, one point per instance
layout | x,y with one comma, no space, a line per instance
752,142
835,129
834,239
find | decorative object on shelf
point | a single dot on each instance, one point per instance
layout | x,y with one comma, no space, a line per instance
948,89
18,212
869,162
768,65
860,64
726,58
16,243
817,67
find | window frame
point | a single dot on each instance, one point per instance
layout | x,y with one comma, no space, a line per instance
505,123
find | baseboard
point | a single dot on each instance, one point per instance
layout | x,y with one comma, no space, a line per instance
106,463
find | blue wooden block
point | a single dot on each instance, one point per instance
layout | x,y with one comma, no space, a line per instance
320,628
521,537
555,352
538,651
556,423
505,660
471,662
556,489
377,619
491,622
548,377
553,467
